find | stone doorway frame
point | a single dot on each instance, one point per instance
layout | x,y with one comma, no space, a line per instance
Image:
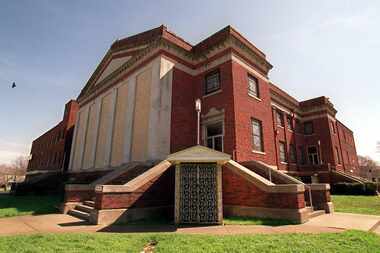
198,154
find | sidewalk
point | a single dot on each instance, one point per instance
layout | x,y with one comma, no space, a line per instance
60,223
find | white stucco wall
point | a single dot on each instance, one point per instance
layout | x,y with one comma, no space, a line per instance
130,122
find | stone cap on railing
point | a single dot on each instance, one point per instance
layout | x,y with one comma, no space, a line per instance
78,187
137,182
319,187
261,182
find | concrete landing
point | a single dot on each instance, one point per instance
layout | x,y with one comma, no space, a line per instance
61,223
346,221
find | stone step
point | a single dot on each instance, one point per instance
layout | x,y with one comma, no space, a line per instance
84,208
316,213
309,208
89,203
79,214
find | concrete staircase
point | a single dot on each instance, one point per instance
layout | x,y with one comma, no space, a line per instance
83,210
349,177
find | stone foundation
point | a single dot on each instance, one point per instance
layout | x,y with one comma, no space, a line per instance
125,215
296,215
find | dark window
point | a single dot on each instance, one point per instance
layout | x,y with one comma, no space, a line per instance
337,155
257,135
215,136
289,122
308,127
298,126
253,86
302,160
280,118
212,82
313,155
282,150
292,153
348,157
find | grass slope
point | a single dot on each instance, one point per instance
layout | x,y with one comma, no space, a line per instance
357,204
23,205
350,241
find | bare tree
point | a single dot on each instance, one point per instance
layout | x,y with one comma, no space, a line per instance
20,164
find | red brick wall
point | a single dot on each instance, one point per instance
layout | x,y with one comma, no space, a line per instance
183,116
78,196
349,159
157,192
241,192
246,108
51,150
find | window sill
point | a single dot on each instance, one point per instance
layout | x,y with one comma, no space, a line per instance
280,126
258,152
283,162
255,97
212,93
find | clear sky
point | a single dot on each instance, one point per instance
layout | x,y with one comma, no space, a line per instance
50,48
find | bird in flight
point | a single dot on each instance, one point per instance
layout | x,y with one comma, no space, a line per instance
13,85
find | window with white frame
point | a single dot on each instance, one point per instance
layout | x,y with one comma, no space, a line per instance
282,149
257,135
289,121
214,136
280,118
253,86
312,153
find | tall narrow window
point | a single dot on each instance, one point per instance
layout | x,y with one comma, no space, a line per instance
289,122
257,135
312,153
212,82
337,155
348,157
253,86
302,158
308,127
280,118
282,150
292,153
215,136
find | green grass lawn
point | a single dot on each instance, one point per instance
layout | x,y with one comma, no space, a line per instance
357,204
349,241
256,221
11,205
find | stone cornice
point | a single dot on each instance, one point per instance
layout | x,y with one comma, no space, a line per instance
193,59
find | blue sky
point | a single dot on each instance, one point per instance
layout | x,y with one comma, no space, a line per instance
50,48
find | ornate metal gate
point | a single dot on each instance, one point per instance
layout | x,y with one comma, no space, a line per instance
198,193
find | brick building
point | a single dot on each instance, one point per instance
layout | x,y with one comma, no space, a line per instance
50,153
137,109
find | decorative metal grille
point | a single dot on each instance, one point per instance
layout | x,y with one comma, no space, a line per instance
198,193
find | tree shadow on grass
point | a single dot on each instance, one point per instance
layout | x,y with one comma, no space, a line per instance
235,220
11,205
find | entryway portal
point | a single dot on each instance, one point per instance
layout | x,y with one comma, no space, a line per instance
198,185
198,193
